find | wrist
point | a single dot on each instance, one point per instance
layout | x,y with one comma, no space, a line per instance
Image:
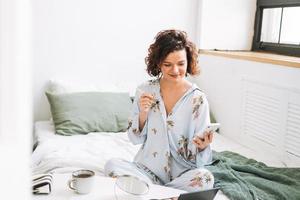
143,114
201,149
142,120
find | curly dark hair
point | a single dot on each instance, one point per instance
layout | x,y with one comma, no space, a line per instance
166,42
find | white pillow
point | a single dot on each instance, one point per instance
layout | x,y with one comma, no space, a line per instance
60,87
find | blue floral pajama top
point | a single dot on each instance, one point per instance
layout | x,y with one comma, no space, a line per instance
167,140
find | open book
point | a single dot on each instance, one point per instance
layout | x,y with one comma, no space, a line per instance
41,183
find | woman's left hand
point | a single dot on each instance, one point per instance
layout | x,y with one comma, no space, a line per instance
202,143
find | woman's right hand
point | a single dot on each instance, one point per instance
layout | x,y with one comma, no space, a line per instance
145,102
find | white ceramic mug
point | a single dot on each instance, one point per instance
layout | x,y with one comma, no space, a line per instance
82,181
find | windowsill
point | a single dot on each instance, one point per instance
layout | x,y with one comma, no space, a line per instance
275,59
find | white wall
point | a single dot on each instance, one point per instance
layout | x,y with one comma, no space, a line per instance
226,25
15,98
103,42
221,80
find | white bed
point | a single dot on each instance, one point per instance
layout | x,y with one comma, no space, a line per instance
64,154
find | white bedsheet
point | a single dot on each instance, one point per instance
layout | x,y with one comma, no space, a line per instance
62,154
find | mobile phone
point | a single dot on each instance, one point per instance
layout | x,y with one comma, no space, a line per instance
213,127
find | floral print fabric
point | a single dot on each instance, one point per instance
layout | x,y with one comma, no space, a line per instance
167,140
191,180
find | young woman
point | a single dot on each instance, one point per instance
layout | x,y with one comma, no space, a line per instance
169,118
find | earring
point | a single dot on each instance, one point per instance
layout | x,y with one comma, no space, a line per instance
158,71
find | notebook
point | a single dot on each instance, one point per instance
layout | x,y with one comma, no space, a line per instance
41,183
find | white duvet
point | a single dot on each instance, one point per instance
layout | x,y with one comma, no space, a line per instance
61,154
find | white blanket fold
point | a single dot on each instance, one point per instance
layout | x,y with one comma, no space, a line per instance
61,154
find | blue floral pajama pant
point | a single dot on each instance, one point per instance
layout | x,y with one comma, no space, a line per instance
191,180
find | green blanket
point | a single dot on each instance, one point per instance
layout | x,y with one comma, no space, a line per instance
243,178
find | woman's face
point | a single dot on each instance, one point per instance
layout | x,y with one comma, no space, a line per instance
174,67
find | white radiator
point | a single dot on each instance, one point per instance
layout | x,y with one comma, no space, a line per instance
271,119
292,139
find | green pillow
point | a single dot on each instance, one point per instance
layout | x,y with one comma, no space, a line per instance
84,112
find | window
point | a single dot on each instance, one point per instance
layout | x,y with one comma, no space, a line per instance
277,27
